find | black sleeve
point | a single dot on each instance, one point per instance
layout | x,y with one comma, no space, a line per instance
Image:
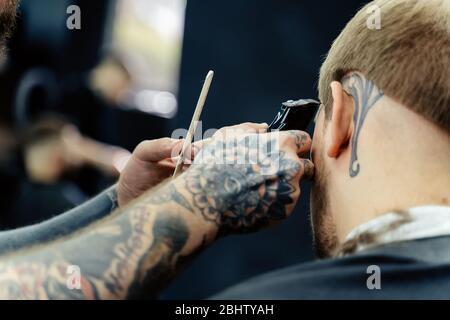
62,225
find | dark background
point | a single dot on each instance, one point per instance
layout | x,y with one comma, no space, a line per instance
263,52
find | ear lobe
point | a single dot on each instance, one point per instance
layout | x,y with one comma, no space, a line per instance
341,120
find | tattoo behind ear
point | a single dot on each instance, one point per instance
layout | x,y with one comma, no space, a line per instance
365,94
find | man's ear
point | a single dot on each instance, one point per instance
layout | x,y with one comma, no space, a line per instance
341,121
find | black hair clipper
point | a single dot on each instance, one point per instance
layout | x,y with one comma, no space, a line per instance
295,115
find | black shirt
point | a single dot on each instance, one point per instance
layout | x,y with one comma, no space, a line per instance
408,270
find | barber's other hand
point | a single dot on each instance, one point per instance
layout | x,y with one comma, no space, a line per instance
246,182
150,164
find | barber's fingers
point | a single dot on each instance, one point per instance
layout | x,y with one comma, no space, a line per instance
169,162
230,131
251,127
299,141
157,150
243,128
223,133
196,147
307,169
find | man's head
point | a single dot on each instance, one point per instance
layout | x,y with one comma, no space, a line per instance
386,110
7,20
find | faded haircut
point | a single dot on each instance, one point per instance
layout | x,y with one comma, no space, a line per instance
408,58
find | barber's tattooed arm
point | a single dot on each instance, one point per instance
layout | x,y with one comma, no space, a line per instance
365,94
118,258
232,187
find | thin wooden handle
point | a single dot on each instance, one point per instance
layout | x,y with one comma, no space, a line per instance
194,121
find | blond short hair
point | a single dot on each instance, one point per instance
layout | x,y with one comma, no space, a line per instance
408,57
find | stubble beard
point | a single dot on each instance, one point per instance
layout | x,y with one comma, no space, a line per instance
323,226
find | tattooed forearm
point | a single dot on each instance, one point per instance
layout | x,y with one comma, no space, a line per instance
159,264
172,195
365,94
133,254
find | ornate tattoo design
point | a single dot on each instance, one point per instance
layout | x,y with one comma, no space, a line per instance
243,197
126,257
300,140
171,194
366,95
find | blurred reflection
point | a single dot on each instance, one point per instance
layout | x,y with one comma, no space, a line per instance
41,170
151,32
149,35
114,81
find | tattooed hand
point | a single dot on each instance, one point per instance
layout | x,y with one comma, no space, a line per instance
245,182
152,162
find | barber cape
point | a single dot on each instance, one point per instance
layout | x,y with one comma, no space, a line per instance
400,255
414,224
